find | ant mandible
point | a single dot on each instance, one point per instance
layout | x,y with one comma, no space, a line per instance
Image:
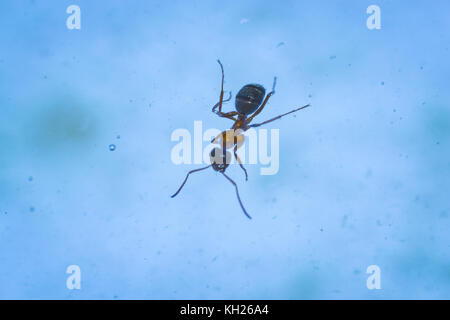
248,106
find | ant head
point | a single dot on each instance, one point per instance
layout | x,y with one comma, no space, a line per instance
220,159
249,98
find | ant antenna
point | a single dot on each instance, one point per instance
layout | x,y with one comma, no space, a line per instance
237,193
187,176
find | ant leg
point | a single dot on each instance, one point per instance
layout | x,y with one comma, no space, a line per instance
187,176
221,90
265,101
237,193
240,162
217,104
228,115
278,117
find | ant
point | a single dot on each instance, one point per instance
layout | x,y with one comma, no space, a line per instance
249,103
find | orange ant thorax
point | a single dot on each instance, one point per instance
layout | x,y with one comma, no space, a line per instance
241,123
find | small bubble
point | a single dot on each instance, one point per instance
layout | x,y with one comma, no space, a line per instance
31,209
118,137
30,178
382,83
112,147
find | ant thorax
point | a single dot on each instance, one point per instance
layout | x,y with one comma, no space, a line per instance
230,138
241,123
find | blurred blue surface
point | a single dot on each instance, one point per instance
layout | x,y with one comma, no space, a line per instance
364,174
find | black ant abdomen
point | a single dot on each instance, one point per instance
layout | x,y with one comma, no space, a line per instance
249,98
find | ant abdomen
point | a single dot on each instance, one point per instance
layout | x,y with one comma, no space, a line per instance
249,98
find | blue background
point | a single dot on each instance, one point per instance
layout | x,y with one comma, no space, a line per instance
364,173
